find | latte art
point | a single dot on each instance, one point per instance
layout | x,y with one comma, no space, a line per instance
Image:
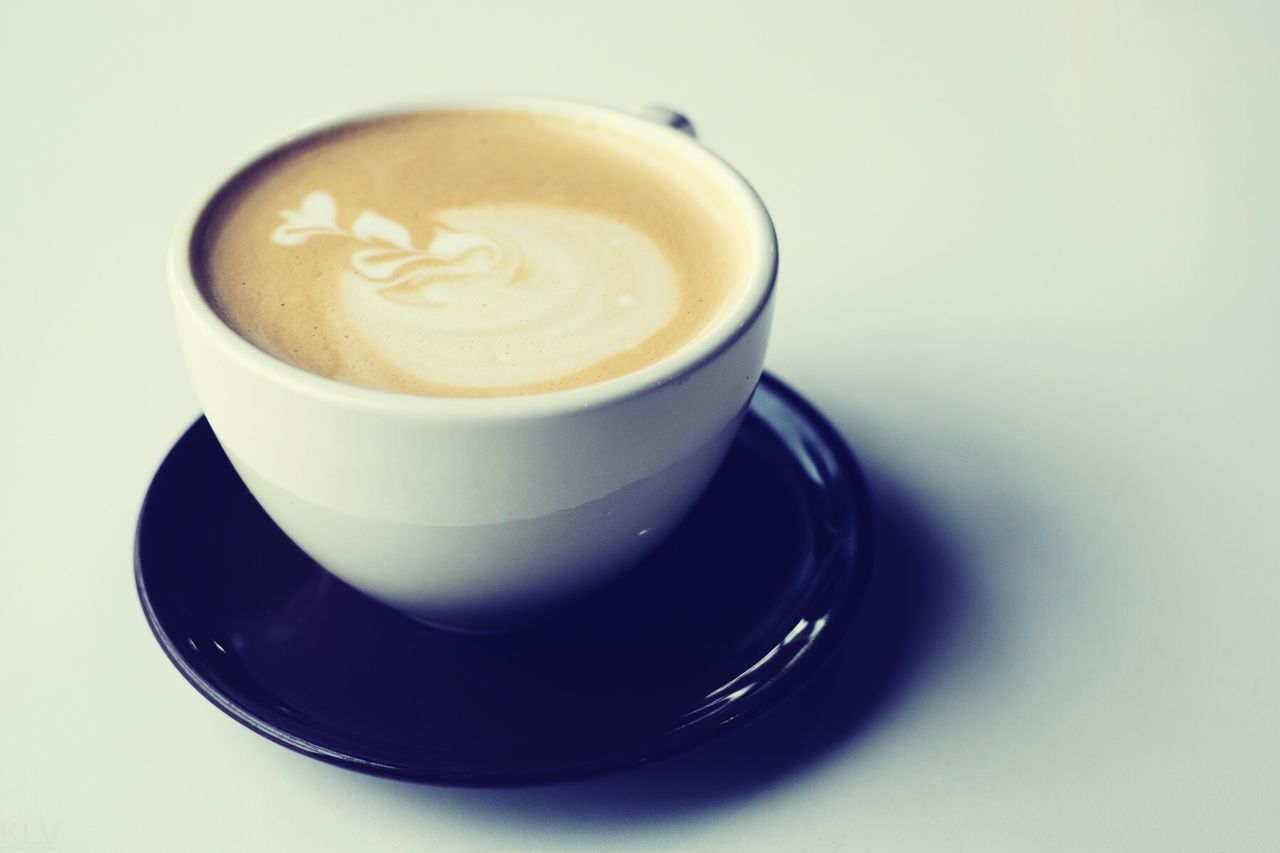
465,253
501,294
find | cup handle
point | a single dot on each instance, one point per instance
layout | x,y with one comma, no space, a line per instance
671,118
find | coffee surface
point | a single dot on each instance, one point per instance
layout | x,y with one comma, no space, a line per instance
471,253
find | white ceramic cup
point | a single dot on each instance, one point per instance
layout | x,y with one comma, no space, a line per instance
478,513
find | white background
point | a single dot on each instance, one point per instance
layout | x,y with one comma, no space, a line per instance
1030,267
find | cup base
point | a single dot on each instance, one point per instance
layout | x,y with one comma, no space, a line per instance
498,578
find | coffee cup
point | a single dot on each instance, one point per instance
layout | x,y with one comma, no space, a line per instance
476,492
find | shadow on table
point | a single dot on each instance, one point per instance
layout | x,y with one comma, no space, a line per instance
915,596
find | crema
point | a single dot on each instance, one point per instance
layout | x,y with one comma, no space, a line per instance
471,253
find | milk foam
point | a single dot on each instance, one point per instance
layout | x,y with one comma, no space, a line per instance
466,253
499,294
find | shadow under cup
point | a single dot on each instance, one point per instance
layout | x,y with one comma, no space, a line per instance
478,514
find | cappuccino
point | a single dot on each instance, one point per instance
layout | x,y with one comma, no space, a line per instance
477,252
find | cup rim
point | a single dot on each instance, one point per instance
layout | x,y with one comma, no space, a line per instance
726,330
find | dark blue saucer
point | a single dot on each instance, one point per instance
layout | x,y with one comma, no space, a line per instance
722,622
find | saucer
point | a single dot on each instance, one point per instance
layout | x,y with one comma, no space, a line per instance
722,622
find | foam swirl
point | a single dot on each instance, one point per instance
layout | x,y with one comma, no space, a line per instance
502,295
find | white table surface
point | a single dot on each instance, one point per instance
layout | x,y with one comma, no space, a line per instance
1030,268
